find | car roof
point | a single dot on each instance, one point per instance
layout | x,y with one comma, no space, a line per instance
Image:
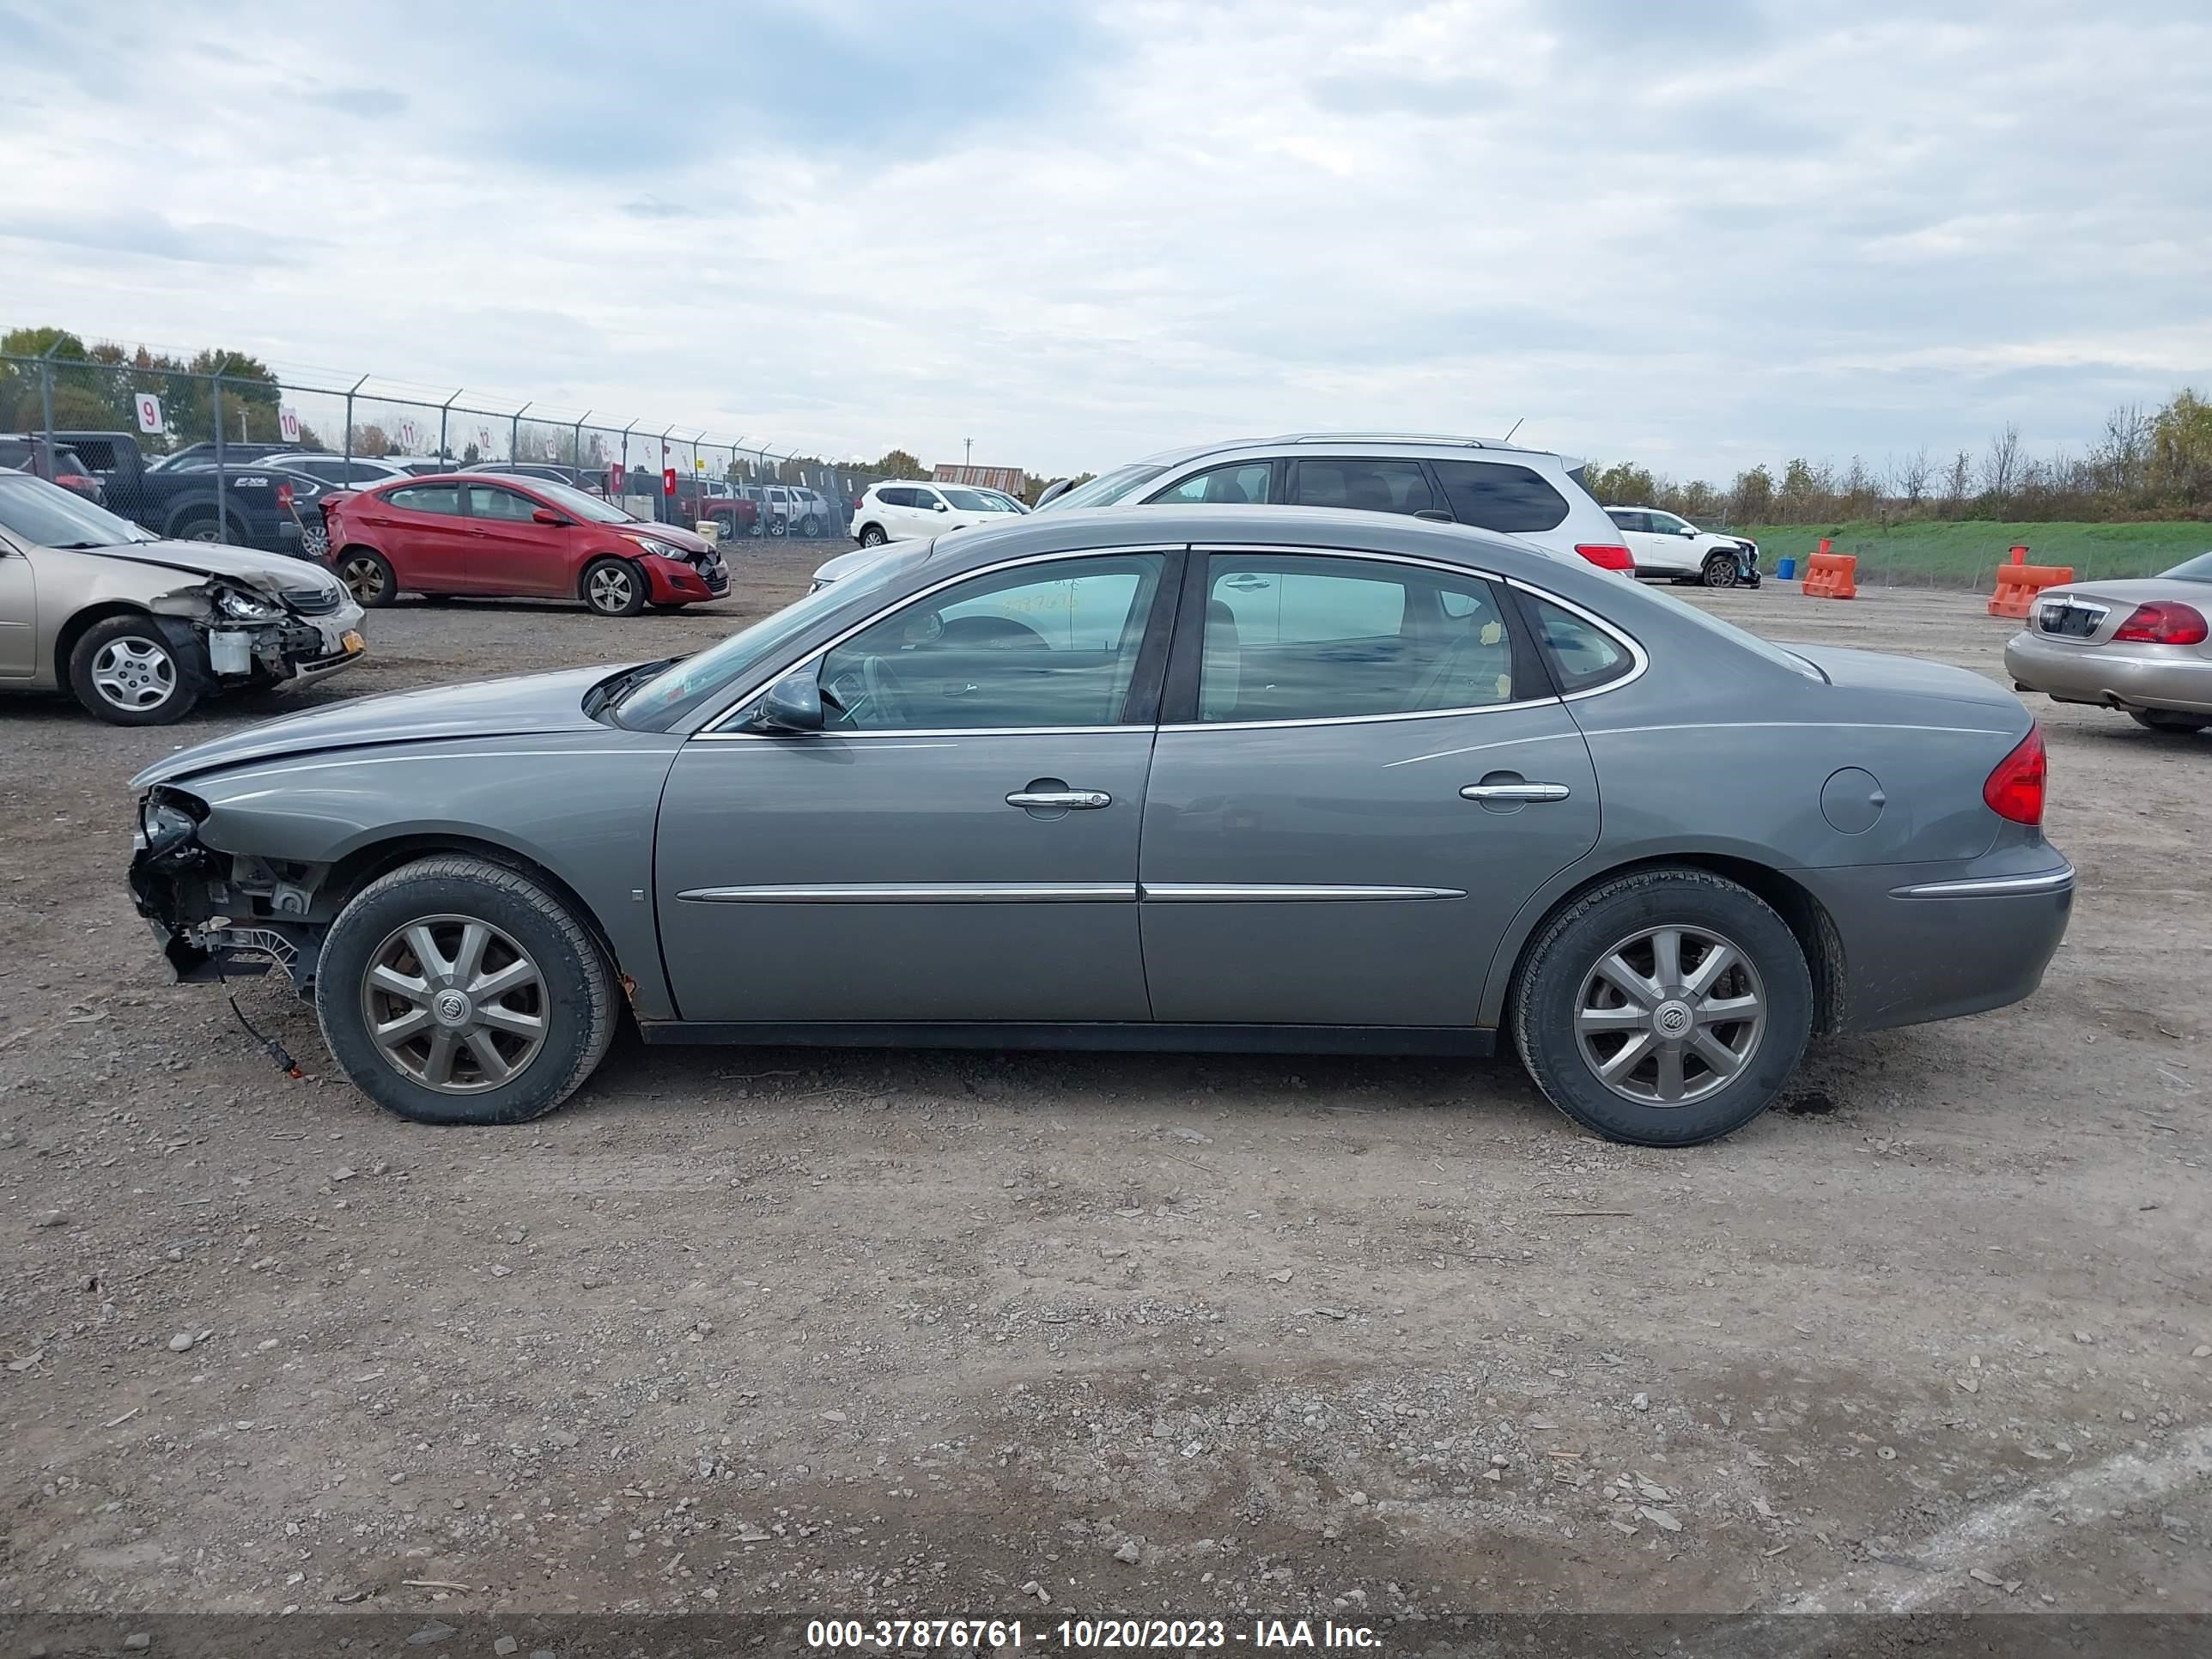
1421,442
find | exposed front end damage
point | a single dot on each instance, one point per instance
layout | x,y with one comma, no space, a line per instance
218,914
239,634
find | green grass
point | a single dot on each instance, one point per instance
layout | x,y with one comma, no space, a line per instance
1967,555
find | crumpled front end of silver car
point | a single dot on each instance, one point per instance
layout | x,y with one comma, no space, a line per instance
218,914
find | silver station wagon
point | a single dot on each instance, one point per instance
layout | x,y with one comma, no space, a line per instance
1235,778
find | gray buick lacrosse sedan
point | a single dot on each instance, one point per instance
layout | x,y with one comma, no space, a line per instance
1256,778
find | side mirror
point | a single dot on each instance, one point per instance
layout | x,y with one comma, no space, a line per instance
793,703
547,515
941,507
1688,530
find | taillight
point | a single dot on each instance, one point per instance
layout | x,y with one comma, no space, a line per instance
2164,622
2014,790
1607,556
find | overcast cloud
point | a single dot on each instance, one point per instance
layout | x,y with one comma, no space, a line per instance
1696,235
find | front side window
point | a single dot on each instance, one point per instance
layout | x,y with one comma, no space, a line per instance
1231,486
1301,637
428,498
1498,495
490,502
1365,486
1037,646
1665,524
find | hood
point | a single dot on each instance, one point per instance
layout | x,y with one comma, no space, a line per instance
674,534
271,572
845,564
1879,671
525,705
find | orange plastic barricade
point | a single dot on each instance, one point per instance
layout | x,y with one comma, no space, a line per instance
1832,575
2019,582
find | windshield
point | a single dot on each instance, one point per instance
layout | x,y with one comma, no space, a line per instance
969,501
2199,569
586,507
1743,636
1106,488
49,516
684,686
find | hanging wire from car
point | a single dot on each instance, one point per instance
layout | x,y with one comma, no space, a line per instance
276,1050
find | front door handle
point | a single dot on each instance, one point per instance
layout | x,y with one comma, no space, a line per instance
1060,800
1515,791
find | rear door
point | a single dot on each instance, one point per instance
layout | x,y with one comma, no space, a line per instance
422,532
1362,775
511,551
1365,485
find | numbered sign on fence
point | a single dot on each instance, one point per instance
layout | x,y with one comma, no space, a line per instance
287,423
407,437
149,412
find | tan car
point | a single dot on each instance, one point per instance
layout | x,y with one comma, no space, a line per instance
2143,647
139,628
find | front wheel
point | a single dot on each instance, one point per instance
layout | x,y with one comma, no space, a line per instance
1664,1008
614,587
126,671
454,990
2169,720
1722,571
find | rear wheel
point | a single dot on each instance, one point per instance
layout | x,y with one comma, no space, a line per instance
1721,571
368,577
202,526
872,536
2166,719
124,671
614,587
454,990
1663,1008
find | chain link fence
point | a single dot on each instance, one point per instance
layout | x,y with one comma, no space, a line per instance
223,453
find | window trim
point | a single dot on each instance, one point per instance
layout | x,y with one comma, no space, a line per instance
1141,700
1186,654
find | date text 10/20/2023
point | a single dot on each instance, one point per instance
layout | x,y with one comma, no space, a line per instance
1086,1635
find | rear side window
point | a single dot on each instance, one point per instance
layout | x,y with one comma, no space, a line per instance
1583,656
1496,495
428,498
1365,486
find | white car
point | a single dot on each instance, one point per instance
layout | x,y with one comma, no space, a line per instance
902,509
1532,495
1667,544
793,510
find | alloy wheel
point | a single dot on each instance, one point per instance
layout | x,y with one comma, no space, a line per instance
1670,1015
364,580
455,1003
611,588
135,673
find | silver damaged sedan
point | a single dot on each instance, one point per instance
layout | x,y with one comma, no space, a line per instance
1235,779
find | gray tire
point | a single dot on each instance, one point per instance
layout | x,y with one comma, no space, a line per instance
872,535
1722,571
129,672
401,947
613,588
1572,1019
2167,720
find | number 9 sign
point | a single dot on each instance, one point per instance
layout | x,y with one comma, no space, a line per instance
149,412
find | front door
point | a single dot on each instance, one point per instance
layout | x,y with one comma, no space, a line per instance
18,616
1365,778
959,841
510,552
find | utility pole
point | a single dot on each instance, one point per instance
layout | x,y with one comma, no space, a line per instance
967,452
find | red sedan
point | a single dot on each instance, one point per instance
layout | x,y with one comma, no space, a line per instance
491,534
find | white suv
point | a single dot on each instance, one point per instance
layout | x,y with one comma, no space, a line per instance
900,509
1531,495
1668,544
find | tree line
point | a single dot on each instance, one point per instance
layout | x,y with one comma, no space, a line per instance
2146,463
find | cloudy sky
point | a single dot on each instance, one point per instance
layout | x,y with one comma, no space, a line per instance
1696,233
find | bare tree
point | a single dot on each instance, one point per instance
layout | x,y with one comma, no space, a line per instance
2120,459
2001,469
1959,480
1908,477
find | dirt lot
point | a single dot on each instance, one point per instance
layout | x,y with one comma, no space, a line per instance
864,1333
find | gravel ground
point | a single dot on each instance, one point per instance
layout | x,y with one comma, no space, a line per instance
938,1333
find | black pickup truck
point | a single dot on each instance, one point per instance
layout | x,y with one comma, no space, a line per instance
263,505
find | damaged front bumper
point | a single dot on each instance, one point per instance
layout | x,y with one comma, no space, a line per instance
212,919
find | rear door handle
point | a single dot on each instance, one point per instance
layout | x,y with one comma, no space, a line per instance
1064,800
1516,791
